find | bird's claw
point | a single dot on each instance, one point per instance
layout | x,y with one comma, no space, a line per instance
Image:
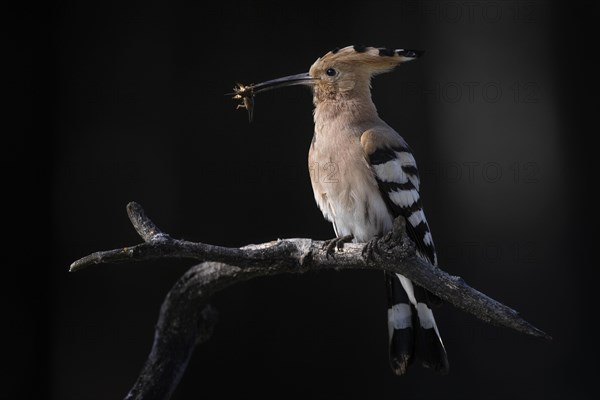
331,245
371,248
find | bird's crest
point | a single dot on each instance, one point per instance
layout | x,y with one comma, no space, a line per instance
378,59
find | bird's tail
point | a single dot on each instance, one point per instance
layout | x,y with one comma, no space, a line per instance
413,333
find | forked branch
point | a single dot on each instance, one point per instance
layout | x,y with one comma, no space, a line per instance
186,319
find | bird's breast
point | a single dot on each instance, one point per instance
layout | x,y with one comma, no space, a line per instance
344,186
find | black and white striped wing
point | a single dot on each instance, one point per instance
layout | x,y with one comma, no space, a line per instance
413,331
397,176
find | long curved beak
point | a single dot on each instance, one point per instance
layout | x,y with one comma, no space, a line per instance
299,79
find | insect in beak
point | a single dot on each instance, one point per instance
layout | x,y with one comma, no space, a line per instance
246,93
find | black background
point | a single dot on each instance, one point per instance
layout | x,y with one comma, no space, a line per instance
124,101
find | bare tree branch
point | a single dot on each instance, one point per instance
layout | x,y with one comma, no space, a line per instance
185,319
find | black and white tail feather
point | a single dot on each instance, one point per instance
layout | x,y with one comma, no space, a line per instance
413,333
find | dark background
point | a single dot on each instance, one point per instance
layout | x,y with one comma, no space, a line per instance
120,101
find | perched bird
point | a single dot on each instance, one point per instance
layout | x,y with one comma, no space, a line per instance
363,175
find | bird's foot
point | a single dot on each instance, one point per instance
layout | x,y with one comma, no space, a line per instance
336,244
371,248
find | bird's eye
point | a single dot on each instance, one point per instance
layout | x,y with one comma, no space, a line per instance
331,72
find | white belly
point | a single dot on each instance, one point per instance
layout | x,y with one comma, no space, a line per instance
353,204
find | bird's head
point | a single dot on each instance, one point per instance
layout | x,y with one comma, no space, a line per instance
346,73
341,74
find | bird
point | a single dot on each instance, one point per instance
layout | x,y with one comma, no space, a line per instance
364,175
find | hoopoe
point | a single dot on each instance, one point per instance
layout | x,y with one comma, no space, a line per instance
372,178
